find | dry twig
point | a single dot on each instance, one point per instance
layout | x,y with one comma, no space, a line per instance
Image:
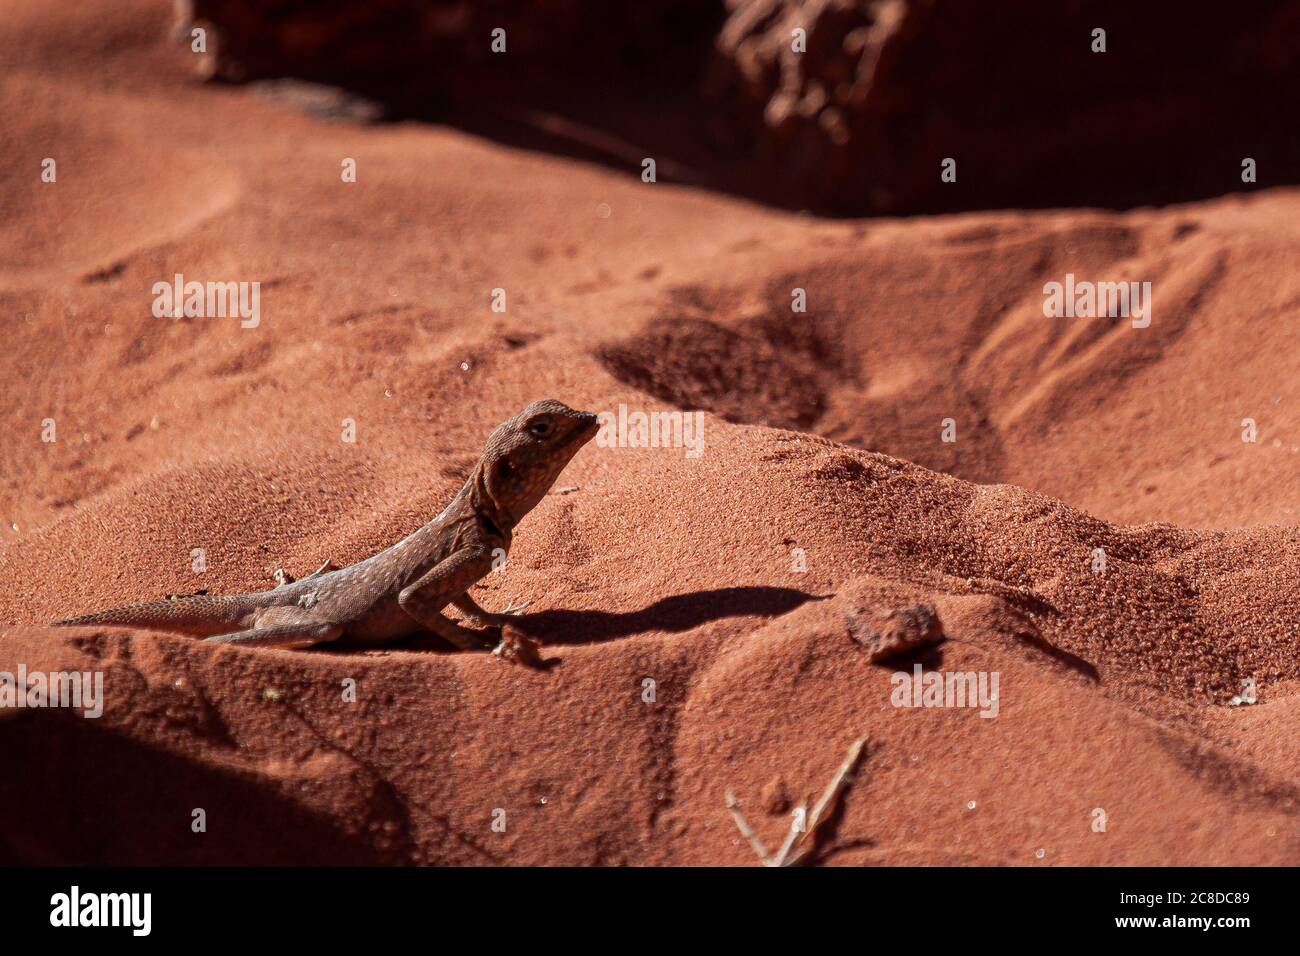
800,842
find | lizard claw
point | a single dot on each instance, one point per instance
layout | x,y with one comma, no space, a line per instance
283,577
516,611
325,568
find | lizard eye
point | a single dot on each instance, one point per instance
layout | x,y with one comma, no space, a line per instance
540,429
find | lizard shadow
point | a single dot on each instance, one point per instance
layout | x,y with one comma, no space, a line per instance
677,613
680,612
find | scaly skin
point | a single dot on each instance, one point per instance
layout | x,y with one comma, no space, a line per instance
403,590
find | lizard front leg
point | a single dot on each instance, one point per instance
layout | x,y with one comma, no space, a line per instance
449,578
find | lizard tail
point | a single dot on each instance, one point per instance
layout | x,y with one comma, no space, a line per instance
201,615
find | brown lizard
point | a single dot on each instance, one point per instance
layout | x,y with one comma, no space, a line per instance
403,590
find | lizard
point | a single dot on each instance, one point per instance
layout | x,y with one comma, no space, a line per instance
402,590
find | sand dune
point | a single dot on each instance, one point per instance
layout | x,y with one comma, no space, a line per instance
823,434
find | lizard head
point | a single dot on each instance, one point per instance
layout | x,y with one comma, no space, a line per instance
525,454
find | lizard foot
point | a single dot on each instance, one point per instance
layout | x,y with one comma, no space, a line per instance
470,609
283,577
295,635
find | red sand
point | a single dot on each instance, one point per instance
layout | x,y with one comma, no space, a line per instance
375,307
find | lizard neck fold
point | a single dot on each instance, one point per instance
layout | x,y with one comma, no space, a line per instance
478,492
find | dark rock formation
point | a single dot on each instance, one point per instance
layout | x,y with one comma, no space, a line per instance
884,92
444,48
856,113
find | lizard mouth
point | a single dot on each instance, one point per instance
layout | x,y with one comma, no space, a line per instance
589,425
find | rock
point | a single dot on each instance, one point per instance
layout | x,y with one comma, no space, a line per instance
775,797
881,93
414,49
838,106
892,633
